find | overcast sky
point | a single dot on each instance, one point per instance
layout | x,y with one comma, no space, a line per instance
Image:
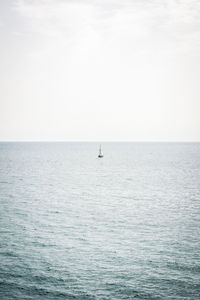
100,70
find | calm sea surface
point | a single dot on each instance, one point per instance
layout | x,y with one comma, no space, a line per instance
77,227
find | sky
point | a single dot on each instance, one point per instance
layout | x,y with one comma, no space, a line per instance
100,70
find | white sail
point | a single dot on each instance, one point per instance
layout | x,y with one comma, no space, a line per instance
100,152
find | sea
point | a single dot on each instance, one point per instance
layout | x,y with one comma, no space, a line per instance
75,226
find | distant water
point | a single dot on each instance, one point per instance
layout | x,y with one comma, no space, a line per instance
77,227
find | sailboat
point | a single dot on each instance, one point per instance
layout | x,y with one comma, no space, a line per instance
100,152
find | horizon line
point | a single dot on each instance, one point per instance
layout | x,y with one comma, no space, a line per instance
96,141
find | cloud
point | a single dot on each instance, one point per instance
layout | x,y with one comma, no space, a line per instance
170,26
138,58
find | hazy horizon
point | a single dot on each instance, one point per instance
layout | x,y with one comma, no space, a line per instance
100,70
99,142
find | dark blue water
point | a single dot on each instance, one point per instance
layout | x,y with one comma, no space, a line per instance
77,227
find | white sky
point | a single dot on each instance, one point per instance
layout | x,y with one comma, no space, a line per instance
100,70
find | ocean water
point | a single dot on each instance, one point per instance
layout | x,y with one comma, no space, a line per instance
77,227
